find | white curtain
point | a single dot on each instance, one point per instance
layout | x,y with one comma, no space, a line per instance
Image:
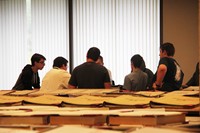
13,47
120,29
28,27
49,30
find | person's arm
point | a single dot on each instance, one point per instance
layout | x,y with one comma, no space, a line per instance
71,86
37,84
193,81
162,69
26,80
127,83
107,85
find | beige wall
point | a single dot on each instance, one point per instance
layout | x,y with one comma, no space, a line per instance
180,26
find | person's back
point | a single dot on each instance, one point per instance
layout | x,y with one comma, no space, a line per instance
101,62
137,79
194,80
57,77
90,74
150,77
149,74
29,77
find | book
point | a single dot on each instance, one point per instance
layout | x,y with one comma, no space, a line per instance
192,88
150,93
83,117
146,117
80,120
156,130
45,100
182,93
195,111
5,92
11,100
37,120
175,101
22,92
129,101
85,100
15,130
78,129
73,92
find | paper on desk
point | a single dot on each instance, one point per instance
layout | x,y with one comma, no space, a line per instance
129,100
79,129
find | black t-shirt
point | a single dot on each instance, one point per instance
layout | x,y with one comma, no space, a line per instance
194,80
174,76
89,75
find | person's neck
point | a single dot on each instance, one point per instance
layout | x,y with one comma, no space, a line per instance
136,69
167,56
35,70
90,60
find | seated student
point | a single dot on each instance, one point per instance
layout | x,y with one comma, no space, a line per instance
90,74
100,62
169,76
57,77
150,76
194,80
137,79
29,77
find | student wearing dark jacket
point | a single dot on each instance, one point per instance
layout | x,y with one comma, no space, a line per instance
29,78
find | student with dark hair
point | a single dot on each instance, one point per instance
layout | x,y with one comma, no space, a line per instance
90,74
169,76
57,77
137,79
29,77
100,62
149,74
194,80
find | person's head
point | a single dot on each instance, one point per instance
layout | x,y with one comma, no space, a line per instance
166,50
93,53
100,60
60,62
38,60
137,61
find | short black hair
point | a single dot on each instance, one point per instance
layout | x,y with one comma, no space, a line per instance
169,48
36,58
59,61
93,53
137,61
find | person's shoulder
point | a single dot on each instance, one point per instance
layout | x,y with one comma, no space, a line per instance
79,66
66,74
102,67
147,70
128,76
26,68
166,60
141,72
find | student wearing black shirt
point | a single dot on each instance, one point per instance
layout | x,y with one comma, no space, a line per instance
90,74
169,76
194,80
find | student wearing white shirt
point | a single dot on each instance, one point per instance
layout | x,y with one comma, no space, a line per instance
57,77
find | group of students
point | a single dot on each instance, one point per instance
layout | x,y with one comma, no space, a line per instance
92,73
